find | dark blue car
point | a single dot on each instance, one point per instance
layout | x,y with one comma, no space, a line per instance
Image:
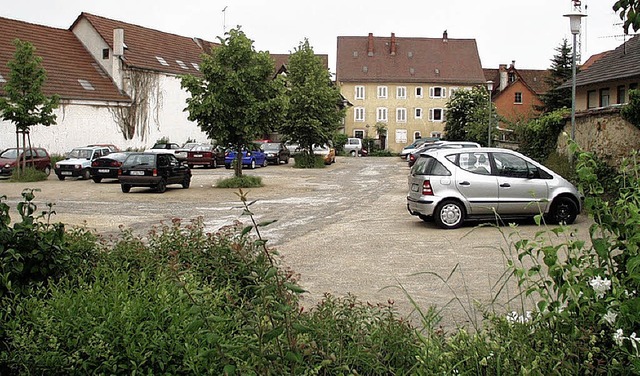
250,158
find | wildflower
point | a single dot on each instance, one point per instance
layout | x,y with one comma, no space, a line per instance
610,317
522,319
600,286
634,341
618,337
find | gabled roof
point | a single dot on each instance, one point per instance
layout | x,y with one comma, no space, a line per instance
144,46
592,59
534,79
621,63
64,58
421,60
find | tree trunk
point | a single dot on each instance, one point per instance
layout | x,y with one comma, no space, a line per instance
17,171
238,163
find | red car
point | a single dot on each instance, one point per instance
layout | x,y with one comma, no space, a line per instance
37,158
205,155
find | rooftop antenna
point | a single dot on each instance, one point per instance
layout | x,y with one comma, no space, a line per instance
224,20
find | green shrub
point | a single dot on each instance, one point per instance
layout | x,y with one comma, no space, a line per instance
339,140
244,181
631,111
307,160
382,153
28,175
539,137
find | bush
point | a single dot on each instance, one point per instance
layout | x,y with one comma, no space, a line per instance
339,140
631,111
244,181
307,160
539,137
28,175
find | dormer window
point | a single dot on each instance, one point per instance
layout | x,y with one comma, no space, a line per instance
105,53
512,76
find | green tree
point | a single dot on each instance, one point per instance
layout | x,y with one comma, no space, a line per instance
313,114
236,100
631,111
561,72
629,13
468,116
24,103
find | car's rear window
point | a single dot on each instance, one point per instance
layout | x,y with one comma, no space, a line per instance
428,165
139,160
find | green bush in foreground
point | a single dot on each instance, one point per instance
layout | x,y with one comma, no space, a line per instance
27,175
307,160
244,181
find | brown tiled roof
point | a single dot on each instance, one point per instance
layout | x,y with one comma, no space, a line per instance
434,60
63,57
143,45
621,63
533,78
592,60
281,61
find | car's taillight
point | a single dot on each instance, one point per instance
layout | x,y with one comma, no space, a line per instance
426,188
116,164
155,172
119,171
94,164
412,158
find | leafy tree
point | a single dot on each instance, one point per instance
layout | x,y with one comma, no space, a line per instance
561,72
468,116
236,100
539,137
313,115
24,103
629,9
631,111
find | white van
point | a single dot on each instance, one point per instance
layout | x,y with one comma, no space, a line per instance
353,146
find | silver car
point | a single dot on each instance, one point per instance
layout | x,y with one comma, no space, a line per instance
450,186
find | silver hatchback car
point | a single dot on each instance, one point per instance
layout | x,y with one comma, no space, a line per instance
450,186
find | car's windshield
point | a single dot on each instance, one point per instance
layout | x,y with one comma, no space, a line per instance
80,154
9,154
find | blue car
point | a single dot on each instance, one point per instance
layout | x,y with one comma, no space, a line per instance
250,158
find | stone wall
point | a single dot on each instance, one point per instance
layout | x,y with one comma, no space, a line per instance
604,132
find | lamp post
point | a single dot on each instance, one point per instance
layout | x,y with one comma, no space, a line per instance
575,20
489,90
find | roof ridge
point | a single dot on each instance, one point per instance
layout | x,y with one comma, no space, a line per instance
33,24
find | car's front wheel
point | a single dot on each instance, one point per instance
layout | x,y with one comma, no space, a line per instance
449,214
563,211
60,177
161,187
253,164
47,170
265,163
86,174
353,153
186,182
125,188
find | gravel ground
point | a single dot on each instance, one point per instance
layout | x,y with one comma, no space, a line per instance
345,229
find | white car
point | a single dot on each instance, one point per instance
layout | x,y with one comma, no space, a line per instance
78,162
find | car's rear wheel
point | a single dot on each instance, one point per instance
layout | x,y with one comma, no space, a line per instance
563,211
190,166
97,180
449,214
161,187
186,182
60,177
125,188
227,166
253,164
86,174
265,163
286,161
47,170
214,164
353,153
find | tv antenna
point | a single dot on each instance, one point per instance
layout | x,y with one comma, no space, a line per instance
224,19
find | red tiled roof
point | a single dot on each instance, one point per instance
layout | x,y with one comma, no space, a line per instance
434,60
535,79
143,45
64,58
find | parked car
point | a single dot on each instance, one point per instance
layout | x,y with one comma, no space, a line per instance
78,162
354,147
111,147
107,167
451,186
327,152
276,152
205,155
168,147
154,170
440,145
415,145
181,153
37,158
251,157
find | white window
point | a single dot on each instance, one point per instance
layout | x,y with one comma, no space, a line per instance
418,113
382,114
419,92
401,136
437,92
359,92
436,134
401,115
382,91
358,113
436,114
401,92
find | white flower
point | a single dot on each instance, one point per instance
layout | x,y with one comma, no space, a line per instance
610,317
634,341
617,337
600,286
522,319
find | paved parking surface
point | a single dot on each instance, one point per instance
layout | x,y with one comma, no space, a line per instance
344,228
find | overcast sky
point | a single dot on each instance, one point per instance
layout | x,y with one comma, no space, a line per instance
505,30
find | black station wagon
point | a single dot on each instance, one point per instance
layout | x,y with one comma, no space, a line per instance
154,170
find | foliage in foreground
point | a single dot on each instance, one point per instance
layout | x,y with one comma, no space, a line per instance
308,160
185,301
27,175
244,181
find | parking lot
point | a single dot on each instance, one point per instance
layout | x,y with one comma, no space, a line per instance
344,228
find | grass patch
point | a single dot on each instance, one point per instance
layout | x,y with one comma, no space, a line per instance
244,181
304,160
29,174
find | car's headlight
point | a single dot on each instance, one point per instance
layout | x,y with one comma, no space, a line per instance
7,165
77,167
57,165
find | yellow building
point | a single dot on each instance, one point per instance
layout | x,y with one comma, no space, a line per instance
403,84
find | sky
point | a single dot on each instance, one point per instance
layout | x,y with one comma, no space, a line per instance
527,32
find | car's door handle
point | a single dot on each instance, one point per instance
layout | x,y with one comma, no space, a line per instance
464,183
505,185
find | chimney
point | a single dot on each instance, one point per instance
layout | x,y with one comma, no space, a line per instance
118,42
393,44
513,64
503,76
116,63
445,36
370,45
